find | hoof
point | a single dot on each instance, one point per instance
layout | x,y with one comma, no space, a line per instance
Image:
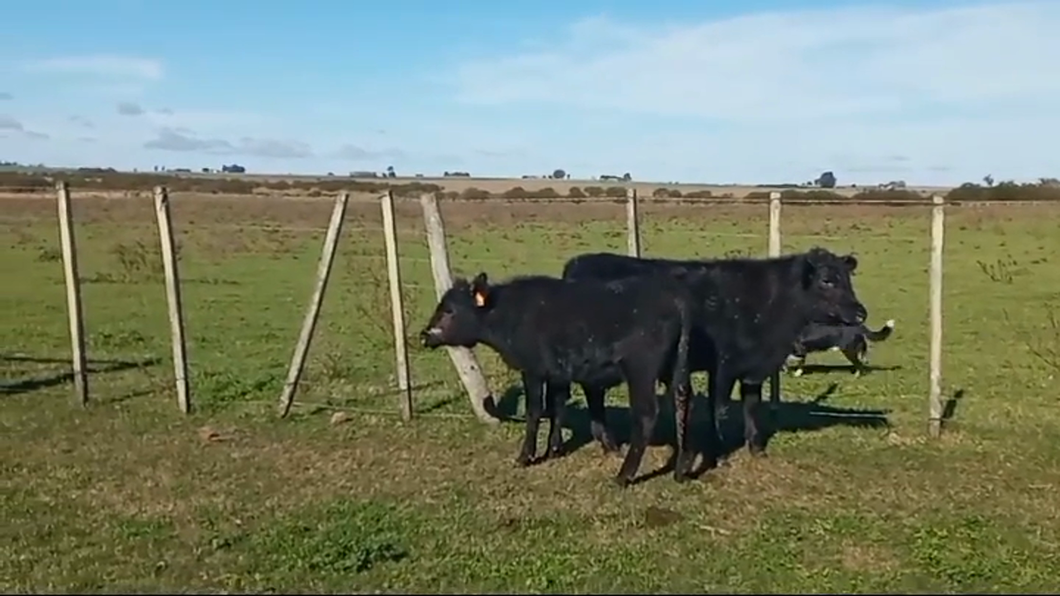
555,452
609,447
524,461
797,372
682,477
622,481
757,451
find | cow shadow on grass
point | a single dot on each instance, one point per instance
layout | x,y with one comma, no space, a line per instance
52,379
786,416
824,369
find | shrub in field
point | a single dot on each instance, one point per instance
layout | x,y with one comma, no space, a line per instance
698,194
474,194
576,193
546,193
615,192
516,192
666,193
1044,190
887,195
594,191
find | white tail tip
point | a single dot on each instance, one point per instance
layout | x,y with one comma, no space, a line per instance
889,323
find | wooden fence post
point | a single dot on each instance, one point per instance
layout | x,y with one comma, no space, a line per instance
774,224
632,223
467,366
74,311
176,309
935,376
305,336
397,307
774,251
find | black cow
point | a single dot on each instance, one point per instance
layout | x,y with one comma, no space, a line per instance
751,312
851,340
592,332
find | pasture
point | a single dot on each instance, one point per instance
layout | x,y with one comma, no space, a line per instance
129,495
497,186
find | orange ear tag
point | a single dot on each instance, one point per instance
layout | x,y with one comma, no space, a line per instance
480,299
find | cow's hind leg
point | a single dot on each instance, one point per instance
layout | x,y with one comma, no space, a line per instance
594,400
533,387
751,396
556,396
644,407
682,413
719,396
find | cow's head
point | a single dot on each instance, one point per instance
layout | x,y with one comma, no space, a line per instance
457,320
827,277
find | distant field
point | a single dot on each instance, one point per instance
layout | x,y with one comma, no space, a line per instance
499,185
130,496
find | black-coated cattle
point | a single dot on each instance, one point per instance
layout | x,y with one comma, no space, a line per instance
593,332
851,340
750,313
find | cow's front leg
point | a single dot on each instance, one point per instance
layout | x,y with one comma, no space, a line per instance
532,389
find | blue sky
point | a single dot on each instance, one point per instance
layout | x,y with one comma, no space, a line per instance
755,91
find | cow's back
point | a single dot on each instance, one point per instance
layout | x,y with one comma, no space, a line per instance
746,308
752,309
582,329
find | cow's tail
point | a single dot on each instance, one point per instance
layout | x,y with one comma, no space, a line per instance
680,385
882,334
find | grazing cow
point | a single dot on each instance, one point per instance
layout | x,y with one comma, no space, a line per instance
596,333
750,314
852,340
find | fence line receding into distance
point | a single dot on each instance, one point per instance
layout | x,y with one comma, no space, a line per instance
464,361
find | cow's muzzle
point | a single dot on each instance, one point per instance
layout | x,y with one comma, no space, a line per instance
431,337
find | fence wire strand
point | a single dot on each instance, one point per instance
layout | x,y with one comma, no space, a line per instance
227,267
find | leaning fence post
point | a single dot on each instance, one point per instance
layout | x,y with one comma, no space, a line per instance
74,311
935,376
176,308
467,366
397,308
305,337
632,223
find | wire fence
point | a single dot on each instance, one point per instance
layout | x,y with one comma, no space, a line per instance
246,269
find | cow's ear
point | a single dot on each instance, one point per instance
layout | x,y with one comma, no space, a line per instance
851,262
480,290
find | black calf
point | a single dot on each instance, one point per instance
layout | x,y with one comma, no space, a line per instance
596,333
851,340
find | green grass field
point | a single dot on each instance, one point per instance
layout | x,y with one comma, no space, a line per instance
130,495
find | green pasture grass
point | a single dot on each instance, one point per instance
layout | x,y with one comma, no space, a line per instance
130,495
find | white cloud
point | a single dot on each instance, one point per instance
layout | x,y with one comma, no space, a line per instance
787,66
100,65
951,89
